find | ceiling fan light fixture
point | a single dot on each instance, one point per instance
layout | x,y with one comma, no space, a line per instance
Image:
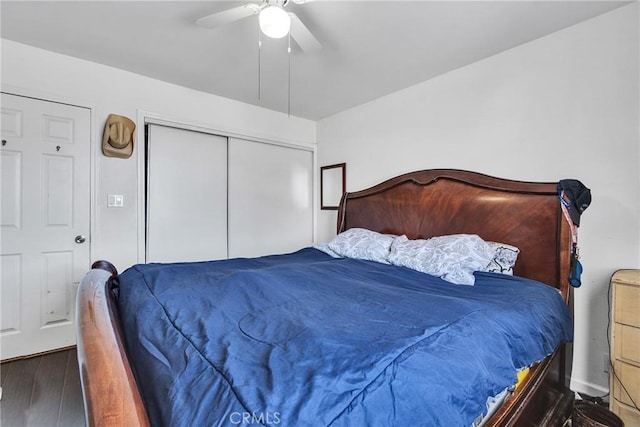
274,22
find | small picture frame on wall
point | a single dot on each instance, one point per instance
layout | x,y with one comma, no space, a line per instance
332,185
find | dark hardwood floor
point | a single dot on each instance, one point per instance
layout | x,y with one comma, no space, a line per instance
42,391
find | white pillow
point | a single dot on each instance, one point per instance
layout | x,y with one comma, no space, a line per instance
361,243
453,258
504,259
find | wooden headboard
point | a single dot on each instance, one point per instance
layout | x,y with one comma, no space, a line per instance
437,202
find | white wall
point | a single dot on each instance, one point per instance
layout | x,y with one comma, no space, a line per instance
563,106
35,72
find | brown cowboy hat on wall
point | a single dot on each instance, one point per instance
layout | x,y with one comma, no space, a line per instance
118,137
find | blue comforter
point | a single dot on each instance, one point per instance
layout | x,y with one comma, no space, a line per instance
304,339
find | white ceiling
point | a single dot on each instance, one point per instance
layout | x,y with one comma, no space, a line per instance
370,48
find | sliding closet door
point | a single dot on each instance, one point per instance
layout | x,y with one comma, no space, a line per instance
186,195
270,198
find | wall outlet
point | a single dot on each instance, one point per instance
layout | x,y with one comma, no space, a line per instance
606,363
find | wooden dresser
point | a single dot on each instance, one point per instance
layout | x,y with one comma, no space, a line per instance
625,346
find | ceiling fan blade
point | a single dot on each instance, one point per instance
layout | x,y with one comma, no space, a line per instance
303,36
228,16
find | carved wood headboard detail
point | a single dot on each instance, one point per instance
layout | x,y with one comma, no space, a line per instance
437,202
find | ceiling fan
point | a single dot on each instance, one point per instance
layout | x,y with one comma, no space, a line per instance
274,21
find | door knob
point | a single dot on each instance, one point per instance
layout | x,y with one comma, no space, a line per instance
80,238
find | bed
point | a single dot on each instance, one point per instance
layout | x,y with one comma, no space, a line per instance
269,373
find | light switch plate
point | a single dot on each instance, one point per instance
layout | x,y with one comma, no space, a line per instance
115,201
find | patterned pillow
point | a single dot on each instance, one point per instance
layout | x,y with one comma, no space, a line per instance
324,247
504,260
361,243
453,258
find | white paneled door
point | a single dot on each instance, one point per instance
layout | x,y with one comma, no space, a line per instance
45,167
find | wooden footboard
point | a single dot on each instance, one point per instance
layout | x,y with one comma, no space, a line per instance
109,389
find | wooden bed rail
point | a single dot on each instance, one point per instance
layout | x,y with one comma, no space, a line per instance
111,399
540,397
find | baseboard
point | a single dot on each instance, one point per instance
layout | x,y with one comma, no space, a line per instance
29,356
588,388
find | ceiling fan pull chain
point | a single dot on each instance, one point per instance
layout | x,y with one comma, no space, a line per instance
289,77
259,62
